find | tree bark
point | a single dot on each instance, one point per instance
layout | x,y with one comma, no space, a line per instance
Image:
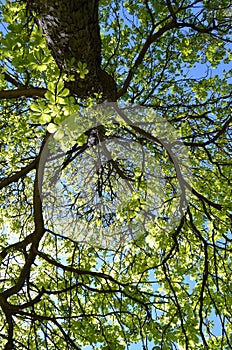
72,32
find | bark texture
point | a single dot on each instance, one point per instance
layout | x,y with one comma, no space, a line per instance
72,31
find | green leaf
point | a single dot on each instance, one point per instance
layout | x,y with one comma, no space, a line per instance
52,128
45,118
59,134
35,108
82,140
42,67
64,93
51,87
60,87
50,96
82,70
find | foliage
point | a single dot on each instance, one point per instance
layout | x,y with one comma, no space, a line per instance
168,287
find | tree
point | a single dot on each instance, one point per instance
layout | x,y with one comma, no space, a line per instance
162,279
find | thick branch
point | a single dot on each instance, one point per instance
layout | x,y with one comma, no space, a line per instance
38,233
14,178
22,92
73,36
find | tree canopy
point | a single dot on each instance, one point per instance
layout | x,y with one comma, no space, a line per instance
115,178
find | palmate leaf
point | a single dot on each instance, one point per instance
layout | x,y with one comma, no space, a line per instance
82,69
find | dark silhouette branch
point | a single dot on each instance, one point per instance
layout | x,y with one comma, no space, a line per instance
151,39
21,173
12,80
22,92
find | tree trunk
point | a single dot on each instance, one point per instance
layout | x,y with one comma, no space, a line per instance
72,32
